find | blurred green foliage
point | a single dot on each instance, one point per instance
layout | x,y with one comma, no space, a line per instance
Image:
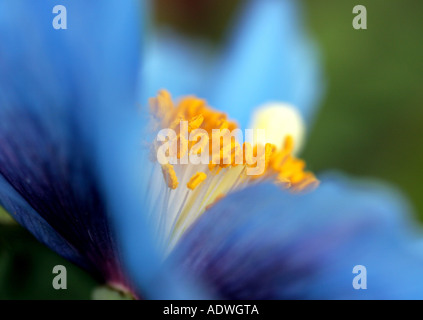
6,218
370,122
26,269
197,18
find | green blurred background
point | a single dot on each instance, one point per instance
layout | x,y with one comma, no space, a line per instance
370,122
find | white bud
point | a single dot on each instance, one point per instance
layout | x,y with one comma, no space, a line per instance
279,119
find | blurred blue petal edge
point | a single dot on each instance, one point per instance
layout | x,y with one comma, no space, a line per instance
264,244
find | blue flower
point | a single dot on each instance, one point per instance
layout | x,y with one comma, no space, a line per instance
73,173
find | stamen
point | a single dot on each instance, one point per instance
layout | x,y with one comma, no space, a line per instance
190,188
170,176
195,122
196,179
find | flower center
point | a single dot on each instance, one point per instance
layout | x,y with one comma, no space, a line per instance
199,157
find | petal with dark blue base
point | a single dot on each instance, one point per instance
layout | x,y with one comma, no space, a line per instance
56,87
31,220
263,243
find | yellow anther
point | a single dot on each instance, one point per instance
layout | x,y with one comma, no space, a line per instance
269,150
224,125
170,176
298,177
196,179
161,105
288,144
292,167
191,106
199,143
195,122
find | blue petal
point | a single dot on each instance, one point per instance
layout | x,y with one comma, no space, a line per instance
262,243
56,86
177,64
268,58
